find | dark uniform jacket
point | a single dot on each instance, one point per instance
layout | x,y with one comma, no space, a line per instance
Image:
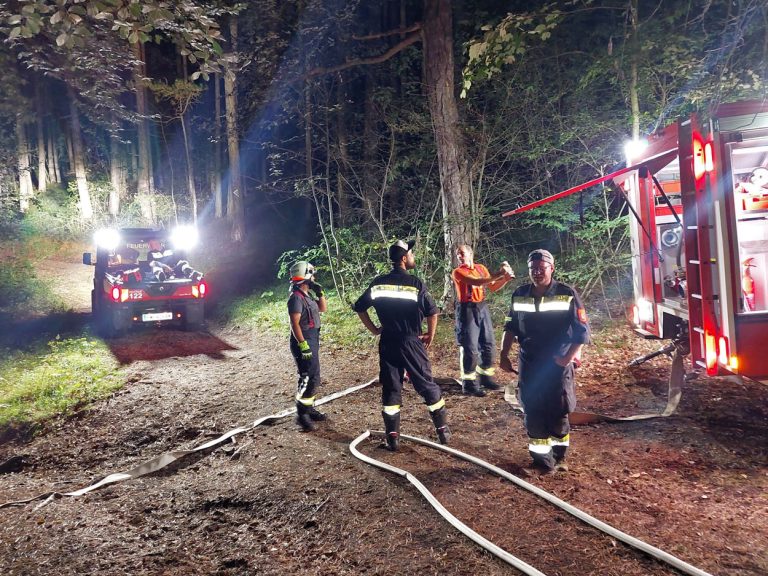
547,326
304,304
401,302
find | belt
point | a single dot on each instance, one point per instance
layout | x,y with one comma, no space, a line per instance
472,304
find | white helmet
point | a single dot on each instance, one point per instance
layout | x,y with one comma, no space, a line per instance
301,271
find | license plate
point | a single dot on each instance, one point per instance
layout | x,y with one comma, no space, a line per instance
155,316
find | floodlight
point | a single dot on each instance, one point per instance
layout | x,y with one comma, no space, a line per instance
633,148
184,237
107,238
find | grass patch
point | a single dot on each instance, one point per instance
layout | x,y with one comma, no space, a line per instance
22,293
267,310
58,380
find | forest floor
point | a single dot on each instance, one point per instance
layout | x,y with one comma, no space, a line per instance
278,501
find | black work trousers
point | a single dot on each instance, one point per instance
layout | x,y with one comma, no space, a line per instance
400,353
474,333
309,370
547,395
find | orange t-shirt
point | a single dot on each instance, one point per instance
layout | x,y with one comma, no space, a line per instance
466,292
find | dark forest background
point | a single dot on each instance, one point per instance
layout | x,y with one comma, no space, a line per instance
327,128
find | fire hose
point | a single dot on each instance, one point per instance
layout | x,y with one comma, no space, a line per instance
163,460
676,379
487,544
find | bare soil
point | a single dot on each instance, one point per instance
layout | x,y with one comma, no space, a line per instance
279,501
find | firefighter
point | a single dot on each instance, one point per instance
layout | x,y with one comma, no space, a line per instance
550,324
401,302
304,314
165,263
474,328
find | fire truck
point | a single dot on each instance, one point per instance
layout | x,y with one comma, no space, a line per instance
698,192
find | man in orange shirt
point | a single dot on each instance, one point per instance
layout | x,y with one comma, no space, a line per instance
474,329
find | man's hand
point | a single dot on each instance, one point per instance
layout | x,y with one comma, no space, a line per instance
427,339
306,353
507,270
316,288
506,364
563,361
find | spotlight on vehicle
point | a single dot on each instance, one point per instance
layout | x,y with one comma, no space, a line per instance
107,238
184,237
633,148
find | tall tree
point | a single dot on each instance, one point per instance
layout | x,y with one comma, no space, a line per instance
439,76
78,157
236,208
26,189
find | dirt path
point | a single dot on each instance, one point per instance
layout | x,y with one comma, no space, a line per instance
280,502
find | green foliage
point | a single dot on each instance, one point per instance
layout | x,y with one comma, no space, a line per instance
21,292
506,42
355,261
340,326
68,374
72,24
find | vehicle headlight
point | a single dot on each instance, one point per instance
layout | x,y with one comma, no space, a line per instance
184,237
107,238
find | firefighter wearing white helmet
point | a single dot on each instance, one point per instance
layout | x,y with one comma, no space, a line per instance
304,313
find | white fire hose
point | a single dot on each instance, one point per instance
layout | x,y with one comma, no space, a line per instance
490,546
163,460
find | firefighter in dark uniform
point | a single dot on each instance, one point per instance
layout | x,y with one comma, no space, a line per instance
474,328
304,313
550,324
402,302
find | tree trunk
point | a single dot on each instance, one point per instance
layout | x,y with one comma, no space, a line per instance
26,190
144,188
42,172
190,171
216,176
116,173
342,172
439,77
633,99
369,182
78,158
53,156
236,208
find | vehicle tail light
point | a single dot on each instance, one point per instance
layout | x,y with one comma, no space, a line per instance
709,157
733,363
698,159
115,294
722,351
198,290
710,353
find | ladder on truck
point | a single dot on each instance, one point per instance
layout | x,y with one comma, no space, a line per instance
701,262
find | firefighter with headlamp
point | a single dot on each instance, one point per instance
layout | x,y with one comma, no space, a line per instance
550,324
304,314
402,302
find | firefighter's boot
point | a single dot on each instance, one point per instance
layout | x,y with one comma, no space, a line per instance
487,382
439,419
392,428
472,388
541,454
559,453
303,418
315,414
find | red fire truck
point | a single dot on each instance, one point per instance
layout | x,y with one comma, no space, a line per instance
699,194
